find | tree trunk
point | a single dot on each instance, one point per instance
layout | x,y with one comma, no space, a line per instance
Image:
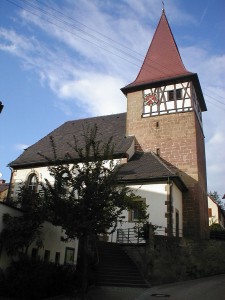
84,287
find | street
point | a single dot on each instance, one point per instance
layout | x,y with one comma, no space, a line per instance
209,288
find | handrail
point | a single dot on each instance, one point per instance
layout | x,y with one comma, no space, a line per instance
132,235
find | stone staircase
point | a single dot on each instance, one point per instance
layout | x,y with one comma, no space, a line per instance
116,268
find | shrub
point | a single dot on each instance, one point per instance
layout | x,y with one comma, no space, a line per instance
31,279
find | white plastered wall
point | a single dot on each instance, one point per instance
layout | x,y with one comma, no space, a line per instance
215,213
51,235
4,209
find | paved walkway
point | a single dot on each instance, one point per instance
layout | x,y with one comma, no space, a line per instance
199,289
115,293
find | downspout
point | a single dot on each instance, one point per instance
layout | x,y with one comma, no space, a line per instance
169,208
10,185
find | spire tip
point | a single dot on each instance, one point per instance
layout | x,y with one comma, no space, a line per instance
163,6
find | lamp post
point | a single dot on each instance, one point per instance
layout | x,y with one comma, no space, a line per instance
1,106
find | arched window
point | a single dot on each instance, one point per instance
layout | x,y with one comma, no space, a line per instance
32,183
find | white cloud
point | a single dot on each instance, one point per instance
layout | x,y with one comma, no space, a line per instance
85,76
97,93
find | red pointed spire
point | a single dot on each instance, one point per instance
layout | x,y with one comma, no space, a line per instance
163,60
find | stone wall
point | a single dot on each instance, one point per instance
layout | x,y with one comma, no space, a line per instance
171,260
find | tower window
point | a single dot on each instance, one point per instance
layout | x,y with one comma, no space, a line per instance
175,95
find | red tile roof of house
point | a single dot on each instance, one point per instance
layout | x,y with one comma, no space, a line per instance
163,60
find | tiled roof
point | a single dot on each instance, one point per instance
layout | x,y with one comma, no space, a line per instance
141,166
147,166
108,126
3,187
163,59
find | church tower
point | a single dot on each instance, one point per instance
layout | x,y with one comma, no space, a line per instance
164,113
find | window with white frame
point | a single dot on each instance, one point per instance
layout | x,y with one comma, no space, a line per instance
32,182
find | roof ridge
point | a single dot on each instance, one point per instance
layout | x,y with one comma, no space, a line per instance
96,117
163,163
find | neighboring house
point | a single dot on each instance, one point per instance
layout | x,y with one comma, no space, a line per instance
54,249
215,212
159,141
3,189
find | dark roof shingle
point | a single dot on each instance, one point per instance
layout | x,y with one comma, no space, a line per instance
108,126
146,167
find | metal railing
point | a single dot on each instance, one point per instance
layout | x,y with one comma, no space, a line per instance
135,235
130,236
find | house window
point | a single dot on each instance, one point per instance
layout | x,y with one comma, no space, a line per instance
134,214
47,255
32,183
69,256
57,257
177,223
175,95
0,248
34,253
210,212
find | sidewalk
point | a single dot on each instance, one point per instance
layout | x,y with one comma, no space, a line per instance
109,293
115,293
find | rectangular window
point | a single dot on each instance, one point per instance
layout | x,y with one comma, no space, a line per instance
34,253
0,248
177,223
175,95
210,212
134,214
47,255
57,257
69,256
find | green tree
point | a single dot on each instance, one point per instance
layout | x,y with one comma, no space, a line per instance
85,197
21,231
217,198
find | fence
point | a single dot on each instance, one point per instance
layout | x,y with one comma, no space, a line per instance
136,235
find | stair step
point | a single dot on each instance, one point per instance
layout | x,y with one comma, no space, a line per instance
121,284
116,268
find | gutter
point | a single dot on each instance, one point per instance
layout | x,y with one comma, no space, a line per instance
169,207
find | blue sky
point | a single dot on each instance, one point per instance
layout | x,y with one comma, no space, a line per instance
65,59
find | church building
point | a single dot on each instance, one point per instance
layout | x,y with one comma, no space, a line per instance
159,141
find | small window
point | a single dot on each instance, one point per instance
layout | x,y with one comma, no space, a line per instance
34,253
210,212
57,257
172,96
158,151
177,223
32,183
69,256
1,248
134,214
47,255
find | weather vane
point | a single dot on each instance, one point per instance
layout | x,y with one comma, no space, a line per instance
163,6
